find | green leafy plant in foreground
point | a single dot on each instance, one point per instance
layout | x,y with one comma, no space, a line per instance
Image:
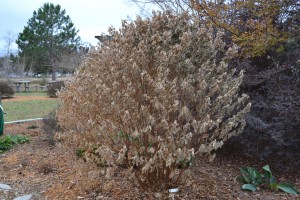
252,179
9,141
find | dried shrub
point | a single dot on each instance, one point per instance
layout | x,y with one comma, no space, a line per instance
53,88
6,90
51,126
153,97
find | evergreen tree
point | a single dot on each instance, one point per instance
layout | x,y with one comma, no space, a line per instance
48,36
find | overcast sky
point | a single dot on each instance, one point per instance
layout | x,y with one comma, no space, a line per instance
91,17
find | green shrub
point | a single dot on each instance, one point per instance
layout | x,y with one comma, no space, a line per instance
53,88
153,97
6,90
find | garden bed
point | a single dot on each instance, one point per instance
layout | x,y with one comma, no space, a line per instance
49,171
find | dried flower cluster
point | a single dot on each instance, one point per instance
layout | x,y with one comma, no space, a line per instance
152,98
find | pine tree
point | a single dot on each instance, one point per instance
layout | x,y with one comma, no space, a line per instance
48,36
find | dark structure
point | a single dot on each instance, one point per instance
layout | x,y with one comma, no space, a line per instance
103,38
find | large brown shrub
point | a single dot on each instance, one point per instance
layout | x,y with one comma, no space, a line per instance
153,97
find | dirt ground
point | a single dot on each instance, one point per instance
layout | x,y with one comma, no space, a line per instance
47,170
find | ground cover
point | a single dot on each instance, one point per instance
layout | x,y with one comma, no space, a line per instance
9,141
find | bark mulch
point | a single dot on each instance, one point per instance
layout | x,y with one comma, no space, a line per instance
50,171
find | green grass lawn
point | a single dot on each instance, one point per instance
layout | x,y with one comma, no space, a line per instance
39,93
18,110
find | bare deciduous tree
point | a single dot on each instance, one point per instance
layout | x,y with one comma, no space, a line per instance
176,6
9,39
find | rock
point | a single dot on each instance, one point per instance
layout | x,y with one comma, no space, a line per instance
4,187
25,197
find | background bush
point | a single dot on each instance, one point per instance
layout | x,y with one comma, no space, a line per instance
153,97
53,88
272,131
6,90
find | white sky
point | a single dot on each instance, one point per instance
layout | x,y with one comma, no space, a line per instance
91,17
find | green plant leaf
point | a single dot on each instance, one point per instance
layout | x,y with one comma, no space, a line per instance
272,180
240,179
267,168
269,178
245,175
244,170
251,175
256,177
288,188
250,187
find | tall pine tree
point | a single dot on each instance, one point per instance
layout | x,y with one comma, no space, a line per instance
48,36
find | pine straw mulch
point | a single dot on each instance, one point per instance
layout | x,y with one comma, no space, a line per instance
50,171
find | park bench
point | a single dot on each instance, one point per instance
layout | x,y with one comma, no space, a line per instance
41,87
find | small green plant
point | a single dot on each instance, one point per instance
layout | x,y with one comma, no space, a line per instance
33,126
253,179
9,141
80,152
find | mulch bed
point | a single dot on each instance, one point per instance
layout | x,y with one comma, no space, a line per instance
51,171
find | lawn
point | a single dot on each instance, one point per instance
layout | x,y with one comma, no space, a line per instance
28,109
39,93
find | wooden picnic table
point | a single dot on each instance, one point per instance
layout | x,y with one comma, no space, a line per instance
52,82
19,83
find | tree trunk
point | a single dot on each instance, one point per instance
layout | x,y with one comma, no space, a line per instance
53,63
